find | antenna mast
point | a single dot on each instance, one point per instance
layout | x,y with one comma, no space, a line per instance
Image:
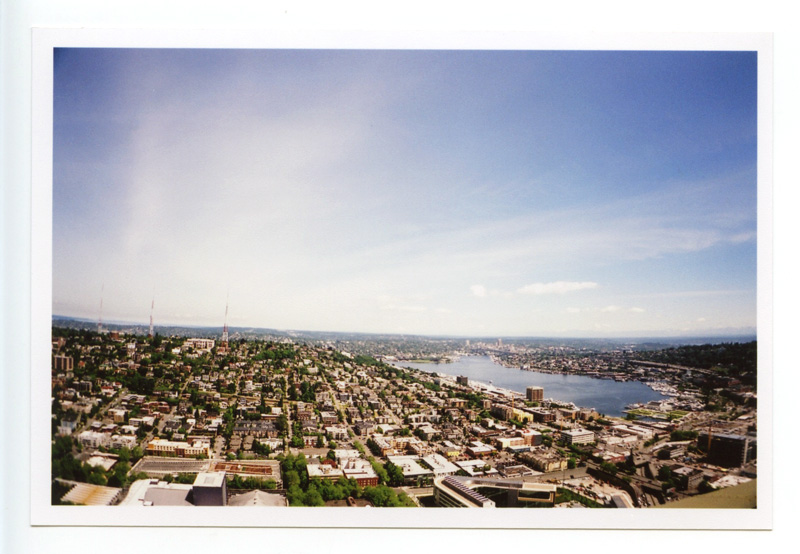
225,327
152,305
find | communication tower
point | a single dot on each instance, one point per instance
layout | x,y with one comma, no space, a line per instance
152,304
225,326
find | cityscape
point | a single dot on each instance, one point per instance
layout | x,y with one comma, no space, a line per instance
141,419
404,278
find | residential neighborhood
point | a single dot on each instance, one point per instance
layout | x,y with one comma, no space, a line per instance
144,420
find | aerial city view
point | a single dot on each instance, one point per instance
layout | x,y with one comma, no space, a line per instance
404,278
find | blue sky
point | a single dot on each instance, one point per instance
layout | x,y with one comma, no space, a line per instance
495,193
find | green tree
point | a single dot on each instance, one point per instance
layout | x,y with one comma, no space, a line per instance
571,463
609,467
394,474
705,487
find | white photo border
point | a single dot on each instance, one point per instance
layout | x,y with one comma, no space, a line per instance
45,40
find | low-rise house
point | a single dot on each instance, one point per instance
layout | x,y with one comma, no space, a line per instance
336,432
477,449
329,418
257,428
449,449
117,414
428,432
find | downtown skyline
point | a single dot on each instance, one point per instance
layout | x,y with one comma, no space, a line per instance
474,193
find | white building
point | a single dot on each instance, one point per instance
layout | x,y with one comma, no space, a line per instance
578,436
93,439
324,471
439,465
199,344
410,467
123,441
195,449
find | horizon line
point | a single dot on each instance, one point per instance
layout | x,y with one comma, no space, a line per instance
619,337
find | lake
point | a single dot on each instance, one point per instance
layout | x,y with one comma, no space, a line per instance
605,396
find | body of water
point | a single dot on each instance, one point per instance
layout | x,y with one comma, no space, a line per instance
605,396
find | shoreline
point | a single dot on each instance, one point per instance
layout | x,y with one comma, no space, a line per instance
666,393
664,389
494,389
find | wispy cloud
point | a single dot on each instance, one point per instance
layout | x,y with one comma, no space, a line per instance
557,287
606,309
384,198
693,293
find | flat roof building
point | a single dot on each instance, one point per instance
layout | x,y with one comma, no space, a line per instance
467,492
534,394
210,489
324,471
452,493
410,467
439,465
361,471
578,436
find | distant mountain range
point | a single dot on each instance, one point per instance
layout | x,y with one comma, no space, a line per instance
639,343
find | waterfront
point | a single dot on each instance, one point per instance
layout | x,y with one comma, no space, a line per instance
605,396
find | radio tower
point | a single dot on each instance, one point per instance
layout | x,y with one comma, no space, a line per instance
100,320
225,327
152,304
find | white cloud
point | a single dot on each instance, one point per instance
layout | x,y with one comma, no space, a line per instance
573,310
636,310
610,309
478,290
556,287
